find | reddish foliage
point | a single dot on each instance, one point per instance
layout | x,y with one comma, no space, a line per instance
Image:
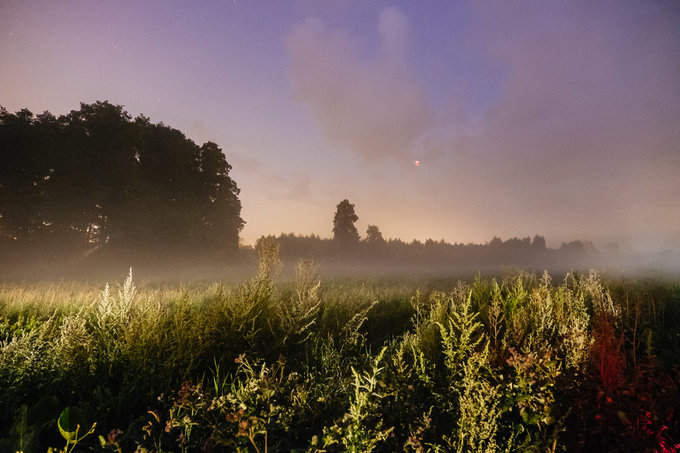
618,408
607,355
635,411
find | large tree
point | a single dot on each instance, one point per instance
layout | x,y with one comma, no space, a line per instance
98,178
344,231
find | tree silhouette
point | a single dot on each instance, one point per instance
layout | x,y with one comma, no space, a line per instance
373,235
538,243
344,231
25,169
97,178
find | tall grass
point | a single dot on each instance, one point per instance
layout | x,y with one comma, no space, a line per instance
515,363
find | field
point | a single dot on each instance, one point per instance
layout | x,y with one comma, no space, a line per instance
521,362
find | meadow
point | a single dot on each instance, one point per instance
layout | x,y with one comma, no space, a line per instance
520,362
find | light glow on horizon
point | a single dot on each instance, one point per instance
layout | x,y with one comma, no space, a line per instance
551,119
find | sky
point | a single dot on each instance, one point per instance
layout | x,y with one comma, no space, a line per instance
557,118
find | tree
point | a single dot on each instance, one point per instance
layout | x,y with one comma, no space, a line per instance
373,235
538,243
344,231
98,178
21,176
221,207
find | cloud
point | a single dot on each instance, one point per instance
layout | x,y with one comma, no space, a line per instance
545,117
586,121
296,186
277,185
588,79
371,105
393,28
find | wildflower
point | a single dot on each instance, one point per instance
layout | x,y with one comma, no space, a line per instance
243,428
113,436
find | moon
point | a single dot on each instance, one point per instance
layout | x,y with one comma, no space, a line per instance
416,163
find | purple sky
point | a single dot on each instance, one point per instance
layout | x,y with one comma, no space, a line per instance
553,118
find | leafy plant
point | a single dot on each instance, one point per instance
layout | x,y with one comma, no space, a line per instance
361,428
71,427
475,396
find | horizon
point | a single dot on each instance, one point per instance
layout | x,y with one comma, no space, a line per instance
459,122
607,248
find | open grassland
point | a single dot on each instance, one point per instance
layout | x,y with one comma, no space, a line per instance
518,363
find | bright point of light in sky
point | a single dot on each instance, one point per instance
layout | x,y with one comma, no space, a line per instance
551,118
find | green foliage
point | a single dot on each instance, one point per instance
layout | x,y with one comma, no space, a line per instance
269,259
298,314
473,395
529,396
70,423
29,423
573,326
72,428
361,428
513,364
111,317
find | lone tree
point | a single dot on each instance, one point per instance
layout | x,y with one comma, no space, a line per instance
344,231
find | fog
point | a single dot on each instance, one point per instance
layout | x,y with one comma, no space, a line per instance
404,262
90,194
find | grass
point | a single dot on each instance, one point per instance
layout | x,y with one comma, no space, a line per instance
518,363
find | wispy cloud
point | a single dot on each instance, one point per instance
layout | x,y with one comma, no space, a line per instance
371,105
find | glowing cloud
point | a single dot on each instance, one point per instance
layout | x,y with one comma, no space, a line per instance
373,106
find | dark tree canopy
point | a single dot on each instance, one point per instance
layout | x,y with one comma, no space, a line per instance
98,178
538,242
344,230
373,235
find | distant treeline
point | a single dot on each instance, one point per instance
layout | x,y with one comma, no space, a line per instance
96,179
375,249
348,247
